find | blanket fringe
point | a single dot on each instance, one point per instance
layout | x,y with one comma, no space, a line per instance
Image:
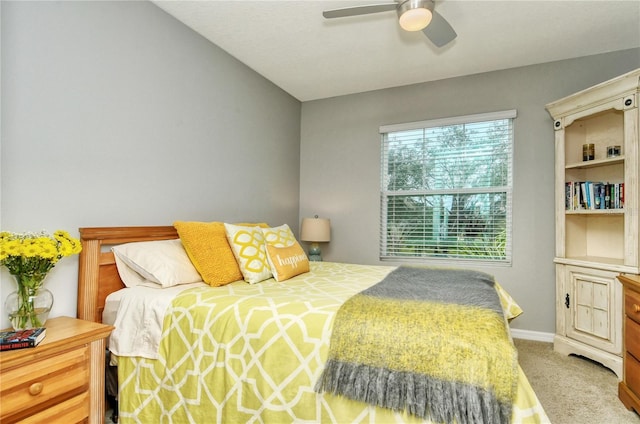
420,395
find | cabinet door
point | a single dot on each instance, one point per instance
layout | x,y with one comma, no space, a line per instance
592,316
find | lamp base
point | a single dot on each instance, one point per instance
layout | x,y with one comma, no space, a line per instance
314,253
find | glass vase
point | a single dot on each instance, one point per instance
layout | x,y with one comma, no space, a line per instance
29,306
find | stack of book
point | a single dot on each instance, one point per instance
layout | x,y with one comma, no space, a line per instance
20,339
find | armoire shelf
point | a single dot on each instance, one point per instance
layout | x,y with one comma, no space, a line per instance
595,163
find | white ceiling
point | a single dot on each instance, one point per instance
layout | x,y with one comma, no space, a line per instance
291,44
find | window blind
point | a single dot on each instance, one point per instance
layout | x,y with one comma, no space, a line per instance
446,189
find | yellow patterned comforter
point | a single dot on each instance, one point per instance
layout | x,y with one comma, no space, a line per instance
253,353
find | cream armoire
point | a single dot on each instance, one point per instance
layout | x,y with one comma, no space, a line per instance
597,216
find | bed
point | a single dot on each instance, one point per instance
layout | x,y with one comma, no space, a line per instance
238,352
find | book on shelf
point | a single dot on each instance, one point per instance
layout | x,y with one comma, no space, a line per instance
585,194
589,195
20,339
597,200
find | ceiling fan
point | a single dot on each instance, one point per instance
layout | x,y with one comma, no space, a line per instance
413,15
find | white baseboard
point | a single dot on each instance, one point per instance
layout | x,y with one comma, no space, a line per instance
538,336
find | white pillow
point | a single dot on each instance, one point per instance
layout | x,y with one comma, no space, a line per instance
164,262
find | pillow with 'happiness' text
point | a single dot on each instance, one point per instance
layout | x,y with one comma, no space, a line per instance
287,262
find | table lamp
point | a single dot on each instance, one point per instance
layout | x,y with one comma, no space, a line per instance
315,230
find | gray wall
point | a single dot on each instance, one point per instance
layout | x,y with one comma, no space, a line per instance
340,163
115,113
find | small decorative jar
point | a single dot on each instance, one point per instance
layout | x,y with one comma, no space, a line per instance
588,151
613,151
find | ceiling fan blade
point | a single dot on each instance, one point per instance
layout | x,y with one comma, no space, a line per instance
439,31
359,10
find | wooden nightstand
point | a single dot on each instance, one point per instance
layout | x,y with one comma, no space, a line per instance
629,387
60,380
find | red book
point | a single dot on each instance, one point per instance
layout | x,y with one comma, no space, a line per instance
21,339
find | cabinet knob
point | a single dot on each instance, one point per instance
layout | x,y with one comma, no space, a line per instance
636,308
35,389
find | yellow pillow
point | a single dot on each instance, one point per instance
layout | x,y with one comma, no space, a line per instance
247,244
207,247
287,262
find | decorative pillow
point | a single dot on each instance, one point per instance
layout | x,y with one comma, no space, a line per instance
287,262
163,262
511,308
207,246
281,236
247,244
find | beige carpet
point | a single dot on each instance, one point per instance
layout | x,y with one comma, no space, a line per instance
572,389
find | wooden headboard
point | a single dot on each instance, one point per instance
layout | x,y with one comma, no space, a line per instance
97,274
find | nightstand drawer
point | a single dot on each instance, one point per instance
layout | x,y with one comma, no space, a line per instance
71,411
632,338
46,381
632,305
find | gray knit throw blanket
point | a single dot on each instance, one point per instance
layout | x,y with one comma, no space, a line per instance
428,341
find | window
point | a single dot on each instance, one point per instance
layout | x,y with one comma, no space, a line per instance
446,189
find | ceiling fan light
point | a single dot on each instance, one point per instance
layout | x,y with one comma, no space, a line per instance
415,19
415,15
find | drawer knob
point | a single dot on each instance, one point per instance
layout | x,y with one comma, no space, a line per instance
636,308
35,389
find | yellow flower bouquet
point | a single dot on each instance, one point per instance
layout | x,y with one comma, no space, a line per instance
29,257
